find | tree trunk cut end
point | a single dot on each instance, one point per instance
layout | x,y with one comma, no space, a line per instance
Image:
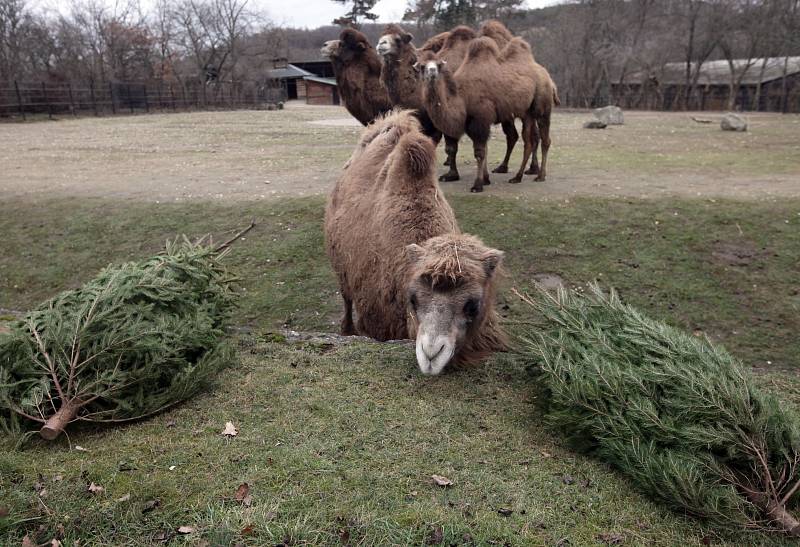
56,423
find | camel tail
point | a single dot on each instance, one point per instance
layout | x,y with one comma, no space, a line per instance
556,100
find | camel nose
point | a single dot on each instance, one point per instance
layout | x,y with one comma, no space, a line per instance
432,348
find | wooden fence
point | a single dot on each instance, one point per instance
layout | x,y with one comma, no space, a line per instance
21,99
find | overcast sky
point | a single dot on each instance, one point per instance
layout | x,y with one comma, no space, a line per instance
314,13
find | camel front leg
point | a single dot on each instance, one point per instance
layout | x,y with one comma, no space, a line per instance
534,168
481,174
451,148
527,123
347,327
512,137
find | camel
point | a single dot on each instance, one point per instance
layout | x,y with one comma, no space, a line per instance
545,99
400,75
402,263
358,75
490,86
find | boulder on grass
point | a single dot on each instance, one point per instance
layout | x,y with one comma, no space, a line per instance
595,124
733,122
610,115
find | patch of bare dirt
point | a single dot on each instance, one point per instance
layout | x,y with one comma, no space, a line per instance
742,254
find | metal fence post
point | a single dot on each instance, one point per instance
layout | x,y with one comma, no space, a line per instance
71,100
19,100
111,94
49,106
91,92
130,100
146,102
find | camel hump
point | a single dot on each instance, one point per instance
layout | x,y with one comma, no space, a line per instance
483,47
461,33
517,48
435,43
497,31
352,37
412,160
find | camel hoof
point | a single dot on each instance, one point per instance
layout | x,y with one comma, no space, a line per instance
515,180
486,181
540,178
476,189
532,171
500,169
448,177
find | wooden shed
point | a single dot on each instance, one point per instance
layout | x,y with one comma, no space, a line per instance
321,90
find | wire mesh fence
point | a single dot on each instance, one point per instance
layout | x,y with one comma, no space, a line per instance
22,99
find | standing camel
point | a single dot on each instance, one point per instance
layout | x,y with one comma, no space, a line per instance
545,99
490,86
404,268
400,75
358,75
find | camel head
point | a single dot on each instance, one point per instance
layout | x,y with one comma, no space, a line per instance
350,45
450,293
432,69
393,41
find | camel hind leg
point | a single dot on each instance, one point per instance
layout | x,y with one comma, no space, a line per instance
527,124
451,147
534,168
544,132
511,141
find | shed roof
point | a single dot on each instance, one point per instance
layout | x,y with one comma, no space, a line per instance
719,72
326,81
288,72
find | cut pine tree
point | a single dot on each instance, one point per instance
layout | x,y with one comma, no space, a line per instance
135,340
678,416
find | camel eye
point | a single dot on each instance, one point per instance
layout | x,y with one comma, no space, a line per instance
413,300
471,308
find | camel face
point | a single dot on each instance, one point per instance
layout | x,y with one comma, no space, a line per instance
431,70
390,44
448,296
330,48
444,317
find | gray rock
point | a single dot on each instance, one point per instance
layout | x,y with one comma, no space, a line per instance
733,122
595,124
610,115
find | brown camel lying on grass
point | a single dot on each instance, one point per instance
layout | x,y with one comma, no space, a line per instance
357,68
401,261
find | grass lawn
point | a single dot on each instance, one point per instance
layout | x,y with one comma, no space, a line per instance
338,443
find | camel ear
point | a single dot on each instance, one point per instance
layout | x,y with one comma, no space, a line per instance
491,260
407,37
362,46
414,252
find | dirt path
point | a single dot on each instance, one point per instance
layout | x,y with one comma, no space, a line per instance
253,155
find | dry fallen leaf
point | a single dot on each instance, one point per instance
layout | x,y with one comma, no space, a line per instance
436,536
28,542
80,448
546,454
230,430
243,495
441,481
248,530
126,497
58,478
96,488
150,505
186,529
55,543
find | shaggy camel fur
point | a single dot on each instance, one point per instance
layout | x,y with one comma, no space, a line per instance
490,86
357,68
400,259
545,99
